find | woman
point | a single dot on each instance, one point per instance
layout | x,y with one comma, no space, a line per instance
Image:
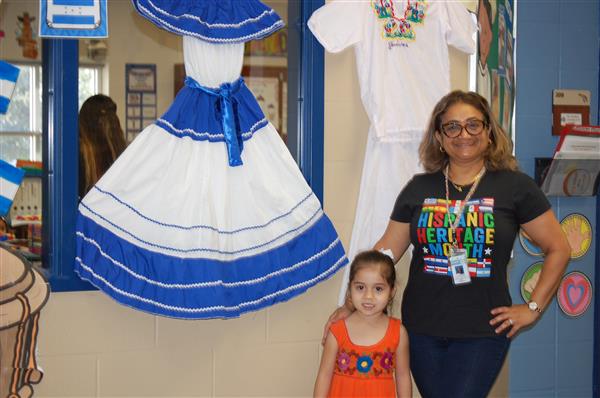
101,140
456,307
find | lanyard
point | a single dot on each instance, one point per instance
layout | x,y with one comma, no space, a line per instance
461,207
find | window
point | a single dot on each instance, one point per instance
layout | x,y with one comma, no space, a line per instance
21,127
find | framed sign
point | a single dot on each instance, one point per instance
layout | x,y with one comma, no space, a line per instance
140,97
73,18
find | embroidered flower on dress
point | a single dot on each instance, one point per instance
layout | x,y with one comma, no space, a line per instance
364,363
343,361
387,360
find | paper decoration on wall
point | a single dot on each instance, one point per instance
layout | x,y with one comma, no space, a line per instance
574,294
495,69
25,36
8,80
73,18
578,230
530,279
528,245
23,293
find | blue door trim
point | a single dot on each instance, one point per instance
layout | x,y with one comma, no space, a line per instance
60,62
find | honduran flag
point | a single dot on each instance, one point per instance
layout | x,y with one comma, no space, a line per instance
8,79
10,179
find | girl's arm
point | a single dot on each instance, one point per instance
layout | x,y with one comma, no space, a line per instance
403,380
395,238
546,232
327,366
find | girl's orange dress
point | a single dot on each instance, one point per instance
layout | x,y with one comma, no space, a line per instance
365,371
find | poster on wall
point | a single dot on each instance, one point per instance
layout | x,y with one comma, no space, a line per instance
529,245
73,18
140,97
495,58
574,294
578,230
530,279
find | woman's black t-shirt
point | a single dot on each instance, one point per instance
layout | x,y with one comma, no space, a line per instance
432,304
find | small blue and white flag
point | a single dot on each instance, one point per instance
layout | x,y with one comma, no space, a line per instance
73,18
10,179
8,80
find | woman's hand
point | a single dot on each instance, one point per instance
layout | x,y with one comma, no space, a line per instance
342,312
513,318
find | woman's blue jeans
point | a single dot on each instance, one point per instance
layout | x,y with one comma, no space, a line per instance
448,367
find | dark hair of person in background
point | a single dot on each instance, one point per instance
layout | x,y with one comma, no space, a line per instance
101,140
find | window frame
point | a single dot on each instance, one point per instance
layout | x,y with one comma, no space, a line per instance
60,145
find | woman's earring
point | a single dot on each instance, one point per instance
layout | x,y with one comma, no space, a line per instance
442,150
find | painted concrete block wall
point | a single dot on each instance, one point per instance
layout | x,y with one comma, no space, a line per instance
557,47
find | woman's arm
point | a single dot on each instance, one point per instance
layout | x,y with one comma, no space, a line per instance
326,368
403,380
546,232
395,238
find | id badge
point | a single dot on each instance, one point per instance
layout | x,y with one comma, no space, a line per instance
459,267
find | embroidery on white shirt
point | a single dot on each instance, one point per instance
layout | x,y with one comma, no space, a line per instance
399,28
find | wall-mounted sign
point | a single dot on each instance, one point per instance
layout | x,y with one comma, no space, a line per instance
73,18
570,107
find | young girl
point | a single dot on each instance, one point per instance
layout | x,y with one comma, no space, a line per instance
366,354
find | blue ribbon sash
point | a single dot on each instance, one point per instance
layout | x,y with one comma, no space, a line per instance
227,112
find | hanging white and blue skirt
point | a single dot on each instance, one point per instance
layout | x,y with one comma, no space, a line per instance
206,214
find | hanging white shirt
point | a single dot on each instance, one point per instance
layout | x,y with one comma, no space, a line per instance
401,78
403,68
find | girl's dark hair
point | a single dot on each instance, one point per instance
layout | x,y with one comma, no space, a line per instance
368,258
101,139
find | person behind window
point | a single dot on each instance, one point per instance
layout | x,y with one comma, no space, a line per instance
101,140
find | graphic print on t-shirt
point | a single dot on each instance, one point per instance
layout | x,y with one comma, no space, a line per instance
474,232
399,26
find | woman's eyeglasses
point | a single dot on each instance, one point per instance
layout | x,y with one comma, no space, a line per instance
454,129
